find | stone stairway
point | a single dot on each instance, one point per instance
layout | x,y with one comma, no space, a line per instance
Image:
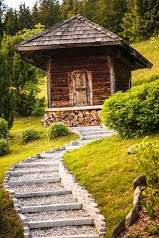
48,199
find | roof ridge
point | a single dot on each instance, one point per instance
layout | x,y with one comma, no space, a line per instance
96,26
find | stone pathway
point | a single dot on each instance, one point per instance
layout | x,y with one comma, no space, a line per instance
48,199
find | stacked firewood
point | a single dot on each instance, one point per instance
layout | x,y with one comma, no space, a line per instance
74,118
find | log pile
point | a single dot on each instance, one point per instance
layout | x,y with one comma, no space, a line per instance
74,118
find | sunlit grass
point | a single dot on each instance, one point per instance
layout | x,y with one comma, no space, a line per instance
107,171
150,50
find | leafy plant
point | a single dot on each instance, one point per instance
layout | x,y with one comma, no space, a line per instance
147,154
29,135
57,129
149,203
133,113
3,129
154,230
4,147
38,109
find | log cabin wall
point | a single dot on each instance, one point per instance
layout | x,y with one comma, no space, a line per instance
62,66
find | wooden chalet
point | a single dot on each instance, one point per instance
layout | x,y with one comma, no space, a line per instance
85,64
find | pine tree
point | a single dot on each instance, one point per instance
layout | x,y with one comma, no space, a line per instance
24,17
1,18
49,12
10,22
110,14
142,19
6,93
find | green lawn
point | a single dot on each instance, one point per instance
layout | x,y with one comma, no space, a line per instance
107,171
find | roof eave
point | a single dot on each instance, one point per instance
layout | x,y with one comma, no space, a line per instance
61,46
136,55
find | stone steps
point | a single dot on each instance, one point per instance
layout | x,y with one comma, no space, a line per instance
49,208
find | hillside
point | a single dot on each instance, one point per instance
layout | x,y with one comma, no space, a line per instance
150,50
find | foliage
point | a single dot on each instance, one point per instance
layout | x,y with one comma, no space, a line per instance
29,135
149,203
38,109
24,77
3,129
133,113
147,154
154,230
4,147
6,93
10,225
142,19
56,130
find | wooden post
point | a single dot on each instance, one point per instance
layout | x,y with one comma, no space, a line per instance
49,83
112,75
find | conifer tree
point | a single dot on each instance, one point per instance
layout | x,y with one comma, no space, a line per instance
142,19
6,93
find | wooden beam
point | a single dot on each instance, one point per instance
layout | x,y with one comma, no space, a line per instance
112,75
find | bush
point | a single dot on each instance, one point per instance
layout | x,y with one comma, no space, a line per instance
3,129
133,113
29,135
38,109
147,154
4,147
57,129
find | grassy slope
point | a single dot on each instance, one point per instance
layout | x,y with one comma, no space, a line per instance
107,171
150,50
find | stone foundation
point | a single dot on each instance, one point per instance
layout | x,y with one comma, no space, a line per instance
74,116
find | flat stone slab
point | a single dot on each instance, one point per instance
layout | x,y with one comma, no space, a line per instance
35,181
73,236
56,207
61,222
66,231
40,194
22,165
22,172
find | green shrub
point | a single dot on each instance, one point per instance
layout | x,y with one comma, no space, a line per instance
133,113
147,154
57,129
39,107
3,129
4,147
29,135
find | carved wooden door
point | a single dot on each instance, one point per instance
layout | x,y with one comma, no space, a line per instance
80,88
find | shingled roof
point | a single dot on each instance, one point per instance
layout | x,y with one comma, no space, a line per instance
74,32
